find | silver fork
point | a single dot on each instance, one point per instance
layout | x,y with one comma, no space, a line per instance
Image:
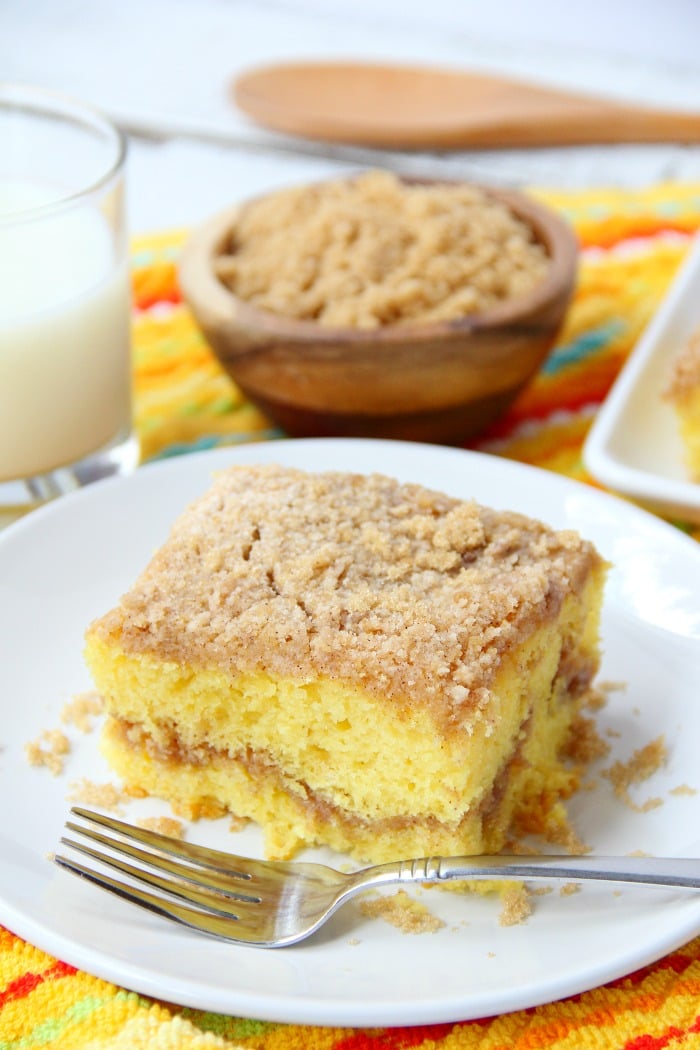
269,904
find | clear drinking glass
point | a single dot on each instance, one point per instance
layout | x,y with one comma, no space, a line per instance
65,348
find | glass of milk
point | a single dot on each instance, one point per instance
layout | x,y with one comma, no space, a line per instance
65,369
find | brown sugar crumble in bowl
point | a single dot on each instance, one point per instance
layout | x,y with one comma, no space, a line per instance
376,250
354,662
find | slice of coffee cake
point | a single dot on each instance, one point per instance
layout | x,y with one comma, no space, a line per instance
352,661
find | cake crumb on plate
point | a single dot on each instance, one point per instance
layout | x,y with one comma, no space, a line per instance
81,710
643,764
516,906
237,823
106,796
49,750
402,911
174,829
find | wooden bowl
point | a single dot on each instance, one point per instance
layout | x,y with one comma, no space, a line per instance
439,382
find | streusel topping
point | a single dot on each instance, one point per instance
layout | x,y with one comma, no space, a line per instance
407,593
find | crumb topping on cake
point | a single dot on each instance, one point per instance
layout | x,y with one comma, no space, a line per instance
404,592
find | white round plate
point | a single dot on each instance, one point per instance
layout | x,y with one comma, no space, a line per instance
68,562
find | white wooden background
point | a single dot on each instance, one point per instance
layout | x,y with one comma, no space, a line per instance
162,69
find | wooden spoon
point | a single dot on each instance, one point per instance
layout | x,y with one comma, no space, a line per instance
422,108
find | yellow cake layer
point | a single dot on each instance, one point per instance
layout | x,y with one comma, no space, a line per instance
322,762
688,411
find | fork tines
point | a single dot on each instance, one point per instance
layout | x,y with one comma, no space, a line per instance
197,886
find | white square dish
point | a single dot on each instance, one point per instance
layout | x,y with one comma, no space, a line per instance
634,446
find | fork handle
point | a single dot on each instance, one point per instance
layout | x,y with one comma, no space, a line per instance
681,872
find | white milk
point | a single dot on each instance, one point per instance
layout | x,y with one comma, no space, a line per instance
65,372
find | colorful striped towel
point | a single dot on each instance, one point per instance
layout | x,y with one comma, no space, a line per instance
632,245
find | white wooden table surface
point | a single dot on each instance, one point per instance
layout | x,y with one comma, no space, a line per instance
162,70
